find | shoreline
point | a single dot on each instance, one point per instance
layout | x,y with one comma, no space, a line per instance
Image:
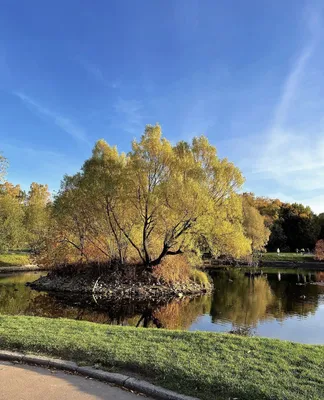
21,268
311,265
105,287
317,265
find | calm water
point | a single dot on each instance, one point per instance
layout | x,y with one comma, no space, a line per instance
285,305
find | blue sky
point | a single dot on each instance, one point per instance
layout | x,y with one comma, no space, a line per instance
248,74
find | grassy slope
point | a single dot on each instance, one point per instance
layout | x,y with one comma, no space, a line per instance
201,364
8,260
287,257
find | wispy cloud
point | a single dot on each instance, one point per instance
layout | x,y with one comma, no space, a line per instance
313,19
292,153
130,114
66,124
291,85
96,72
297,73
93,70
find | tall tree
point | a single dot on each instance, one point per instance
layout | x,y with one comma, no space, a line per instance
12,230
159,200
254,224
103,183
37,215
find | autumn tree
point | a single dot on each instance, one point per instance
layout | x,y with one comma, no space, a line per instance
292,225
254,225
77,221
37,215
158,200
268,208
12,230
319,250
12,190
104,183
177,194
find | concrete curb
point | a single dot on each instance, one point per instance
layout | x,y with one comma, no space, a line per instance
122,380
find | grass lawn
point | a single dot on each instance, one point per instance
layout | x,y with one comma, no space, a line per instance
9,260
202,364
287,257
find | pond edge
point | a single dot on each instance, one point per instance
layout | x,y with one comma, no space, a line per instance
21,268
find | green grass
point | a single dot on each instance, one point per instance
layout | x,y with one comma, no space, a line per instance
287,257
202,364
9,260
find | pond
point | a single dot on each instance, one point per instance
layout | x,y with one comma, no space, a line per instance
279,304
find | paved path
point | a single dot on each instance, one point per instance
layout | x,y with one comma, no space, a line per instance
23,382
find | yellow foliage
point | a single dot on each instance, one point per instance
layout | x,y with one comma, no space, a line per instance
159,200
182,313
319,250
199,277
254,225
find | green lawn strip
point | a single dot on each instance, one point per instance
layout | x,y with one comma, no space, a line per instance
288,257
9,260
202,364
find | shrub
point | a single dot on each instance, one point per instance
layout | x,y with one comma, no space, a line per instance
319,250
199,277
173,269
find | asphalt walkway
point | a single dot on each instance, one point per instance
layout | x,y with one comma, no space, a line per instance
24,382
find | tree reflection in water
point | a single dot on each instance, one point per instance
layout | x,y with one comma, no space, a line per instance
18,299
243,301
148,317
247,300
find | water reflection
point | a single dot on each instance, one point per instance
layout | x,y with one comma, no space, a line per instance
241,300
147,318
253,299
268,304
15,297
18,299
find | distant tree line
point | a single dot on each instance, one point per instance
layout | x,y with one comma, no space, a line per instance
293,226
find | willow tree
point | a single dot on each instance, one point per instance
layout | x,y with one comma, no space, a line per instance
102,184
158,200
181,195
